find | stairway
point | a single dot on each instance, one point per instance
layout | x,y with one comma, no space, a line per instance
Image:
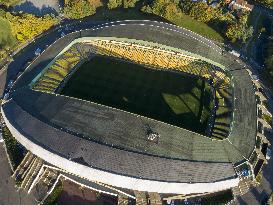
154,198
123,200
141,198
31,173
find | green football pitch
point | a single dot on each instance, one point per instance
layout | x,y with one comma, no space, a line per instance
171,97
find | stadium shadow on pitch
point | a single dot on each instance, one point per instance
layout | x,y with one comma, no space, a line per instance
163,95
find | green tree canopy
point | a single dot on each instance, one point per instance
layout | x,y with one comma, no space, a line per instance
114,4
6,37
239,31
9,3
266,3
121,3
78,9
26,26
269,57
202,12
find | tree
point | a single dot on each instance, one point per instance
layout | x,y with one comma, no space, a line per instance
6,37
236,32
186,6
171,10
239,31
78,9
202,12
26,26
129,3
266,3
269,57
163,8
9,3
112,4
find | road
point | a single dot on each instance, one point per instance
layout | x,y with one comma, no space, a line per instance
9,195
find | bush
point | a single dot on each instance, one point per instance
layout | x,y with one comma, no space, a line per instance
54,195
267,118
259,177
14,149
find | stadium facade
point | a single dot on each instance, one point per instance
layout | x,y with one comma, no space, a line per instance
79,136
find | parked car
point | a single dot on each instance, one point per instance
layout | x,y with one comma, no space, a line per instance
255,78
268,153
38,51
10,84
235,53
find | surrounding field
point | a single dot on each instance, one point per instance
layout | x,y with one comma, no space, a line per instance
162,95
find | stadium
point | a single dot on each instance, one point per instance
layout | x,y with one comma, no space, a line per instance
138,105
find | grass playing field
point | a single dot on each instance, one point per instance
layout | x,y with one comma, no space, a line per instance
180,100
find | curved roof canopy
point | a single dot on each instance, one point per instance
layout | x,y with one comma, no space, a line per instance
59,123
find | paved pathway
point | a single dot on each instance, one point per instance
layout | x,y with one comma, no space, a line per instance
9,195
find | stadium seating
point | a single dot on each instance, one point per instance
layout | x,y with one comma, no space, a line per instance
154,58
57,72
158,58
223,113
150,56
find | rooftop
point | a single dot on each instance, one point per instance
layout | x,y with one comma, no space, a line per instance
61,124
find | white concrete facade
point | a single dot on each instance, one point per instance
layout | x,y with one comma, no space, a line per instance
92,174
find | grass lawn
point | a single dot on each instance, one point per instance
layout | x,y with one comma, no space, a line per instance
201,28
162,95
184,20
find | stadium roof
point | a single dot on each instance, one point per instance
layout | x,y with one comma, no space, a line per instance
186,157
123,130
110,159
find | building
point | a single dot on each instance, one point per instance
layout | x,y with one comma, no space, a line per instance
42,121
